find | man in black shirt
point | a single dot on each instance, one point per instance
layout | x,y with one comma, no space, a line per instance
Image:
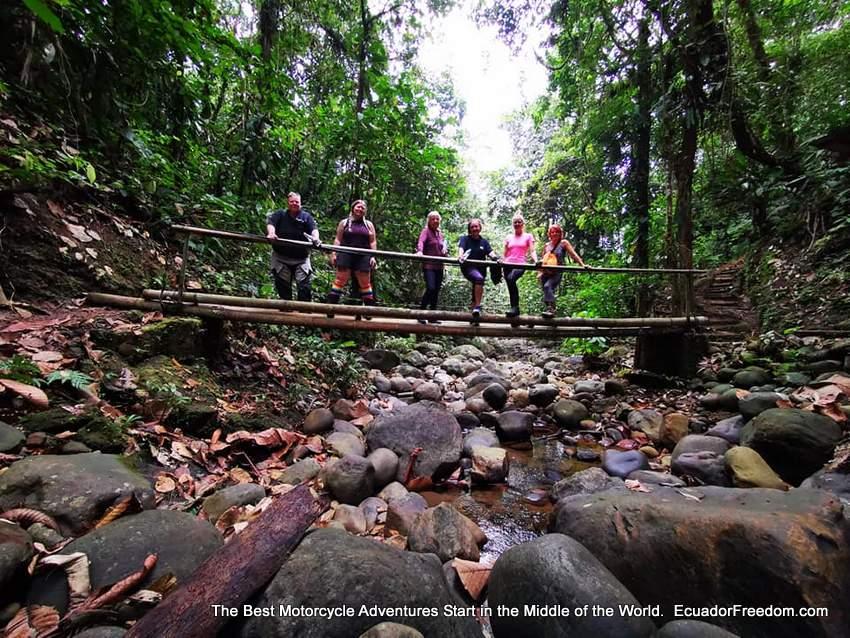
292,262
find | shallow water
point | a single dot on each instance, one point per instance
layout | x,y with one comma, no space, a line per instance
518,511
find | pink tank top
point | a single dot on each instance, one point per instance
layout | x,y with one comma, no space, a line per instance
517,247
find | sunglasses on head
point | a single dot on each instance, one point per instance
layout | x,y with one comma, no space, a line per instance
518,223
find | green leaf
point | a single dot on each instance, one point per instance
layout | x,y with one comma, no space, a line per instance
45,14
91,173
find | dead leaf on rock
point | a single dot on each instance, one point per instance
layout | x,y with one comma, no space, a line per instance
91,252
79,233
46,356
165,484
33,620
636,486
473,576
240,476
76,568
32,394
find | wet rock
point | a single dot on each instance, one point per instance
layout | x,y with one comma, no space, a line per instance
393,490
476,405
467,420
382,360
748,469
444,531
587,481
181,542
700,443
75,490
569,413
727,401
648,477
408,371
241,494
837,483
44,535
347,427
350,479
400,385
709,468
10,438
382,384
385,462
750,376
304,470
591,387
428,391
468,351
15,552
403,510
479,436
795,443
621,464
647,421
757,402
542,394
318,421
692,629
489,464
495,395
330,568
519,398
587,455
767,548
352,519
557,570
514,426
374,511
424,425
648,451
820,367
74,447
391,630
343,444
728,429
416,359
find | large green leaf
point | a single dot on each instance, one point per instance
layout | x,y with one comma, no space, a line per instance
45,14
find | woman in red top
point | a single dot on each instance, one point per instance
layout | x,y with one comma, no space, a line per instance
432,242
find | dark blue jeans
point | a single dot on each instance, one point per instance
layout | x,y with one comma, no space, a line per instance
433,283
511,277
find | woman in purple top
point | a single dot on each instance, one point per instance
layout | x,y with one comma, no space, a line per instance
432,242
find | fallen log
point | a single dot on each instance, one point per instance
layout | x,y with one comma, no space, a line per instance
232,575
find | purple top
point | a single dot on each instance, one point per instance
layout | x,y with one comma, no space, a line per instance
432,243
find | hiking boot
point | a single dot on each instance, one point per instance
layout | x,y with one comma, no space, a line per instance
513,312
549,313
476,312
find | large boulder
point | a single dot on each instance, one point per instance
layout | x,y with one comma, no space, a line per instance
555,571
75,490
724,546
444,531
795,443
425,425
180,541
332,569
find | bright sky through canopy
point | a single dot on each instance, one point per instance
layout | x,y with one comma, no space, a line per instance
488,77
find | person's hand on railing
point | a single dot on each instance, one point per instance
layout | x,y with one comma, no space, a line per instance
464,256
373,263
272,235
317,243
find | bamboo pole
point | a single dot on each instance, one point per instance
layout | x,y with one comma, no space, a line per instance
449,261
406,313
406,326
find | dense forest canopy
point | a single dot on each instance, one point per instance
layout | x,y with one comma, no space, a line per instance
677,133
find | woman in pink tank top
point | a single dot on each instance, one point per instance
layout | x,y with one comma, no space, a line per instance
517,247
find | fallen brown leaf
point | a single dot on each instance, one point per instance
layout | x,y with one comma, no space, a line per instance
32,394
473,576
33,620
165,484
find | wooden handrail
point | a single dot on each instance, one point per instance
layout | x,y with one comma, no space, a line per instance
449,261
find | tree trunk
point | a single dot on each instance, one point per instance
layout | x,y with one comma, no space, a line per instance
639,176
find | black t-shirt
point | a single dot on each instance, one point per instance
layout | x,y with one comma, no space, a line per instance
479,248
288,227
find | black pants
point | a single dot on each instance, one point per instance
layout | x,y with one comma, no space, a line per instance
433,282
511,276
283,286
